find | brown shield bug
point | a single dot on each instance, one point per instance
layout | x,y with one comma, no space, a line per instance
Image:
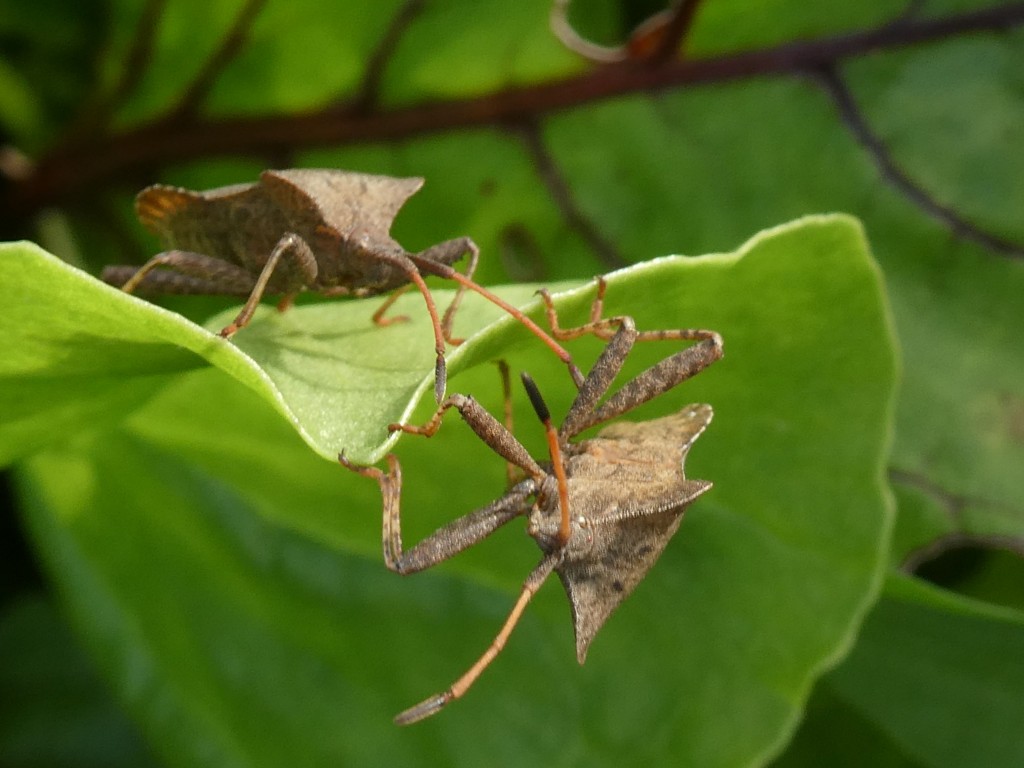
601,510
320,230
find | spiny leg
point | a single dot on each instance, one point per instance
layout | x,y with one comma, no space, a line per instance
434,704
642,388
487,428
201,270
443,270
290,245
659,378
501,440
445,542
166,281
600,377
621,333
606,327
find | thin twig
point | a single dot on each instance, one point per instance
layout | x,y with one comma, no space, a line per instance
369,89
97,111
852,116
954,505
137,60
197,91
559,190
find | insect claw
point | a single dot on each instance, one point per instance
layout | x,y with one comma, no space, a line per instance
424,709
366,471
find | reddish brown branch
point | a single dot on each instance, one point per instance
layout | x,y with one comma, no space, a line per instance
76,170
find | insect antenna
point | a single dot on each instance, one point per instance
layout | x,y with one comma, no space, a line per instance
437,702
555,451
445,271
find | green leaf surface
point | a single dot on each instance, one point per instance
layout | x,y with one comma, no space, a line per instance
934,680
56,710
955,302
558,177
83,353
201,540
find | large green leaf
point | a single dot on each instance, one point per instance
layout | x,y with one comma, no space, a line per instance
83,352
934,680
906,115
55,709
229,580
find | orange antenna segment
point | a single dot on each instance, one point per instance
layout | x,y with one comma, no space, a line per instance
555,450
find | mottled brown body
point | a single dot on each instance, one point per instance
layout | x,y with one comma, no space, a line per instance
344,218
627,494
319,230
601,511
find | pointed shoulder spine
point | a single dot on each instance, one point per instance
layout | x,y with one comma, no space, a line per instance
159,204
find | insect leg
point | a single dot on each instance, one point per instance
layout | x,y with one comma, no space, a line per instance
659,378
487,428
597,325
409,266
621,333
186,272
445,271
378,316
446,541
512,476
291,246
434,704
605,327
447,253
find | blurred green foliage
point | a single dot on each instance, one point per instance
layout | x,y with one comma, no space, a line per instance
226,580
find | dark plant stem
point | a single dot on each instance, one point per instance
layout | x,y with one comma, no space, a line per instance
75,170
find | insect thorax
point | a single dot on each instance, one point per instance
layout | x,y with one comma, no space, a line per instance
545,520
